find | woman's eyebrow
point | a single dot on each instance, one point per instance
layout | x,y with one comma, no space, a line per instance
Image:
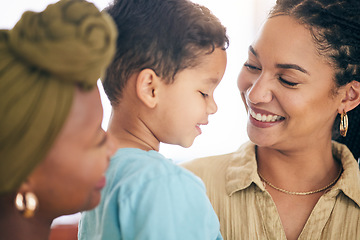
282,65
292,66
252,50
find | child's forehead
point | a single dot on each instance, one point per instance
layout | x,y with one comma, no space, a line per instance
208,69
196,76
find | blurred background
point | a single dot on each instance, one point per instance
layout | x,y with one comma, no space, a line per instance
226,130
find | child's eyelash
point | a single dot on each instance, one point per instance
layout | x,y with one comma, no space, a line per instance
203,94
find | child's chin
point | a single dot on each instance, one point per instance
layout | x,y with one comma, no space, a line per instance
182,143
187,145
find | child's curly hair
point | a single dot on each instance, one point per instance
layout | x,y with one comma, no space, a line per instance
166,36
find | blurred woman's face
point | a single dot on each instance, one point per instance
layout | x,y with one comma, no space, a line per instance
287,88
72,175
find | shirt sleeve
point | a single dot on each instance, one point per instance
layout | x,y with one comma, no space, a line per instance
169,207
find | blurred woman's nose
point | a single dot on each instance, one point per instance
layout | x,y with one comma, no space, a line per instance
111,146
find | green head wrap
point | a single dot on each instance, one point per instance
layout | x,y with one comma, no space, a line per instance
42,60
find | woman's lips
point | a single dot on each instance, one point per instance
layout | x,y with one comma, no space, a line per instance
263,120
101,183
265,117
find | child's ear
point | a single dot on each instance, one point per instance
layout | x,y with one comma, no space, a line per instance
352,97
147,84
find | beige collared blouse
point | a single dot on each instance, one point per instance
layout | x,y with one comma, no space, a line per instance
247,211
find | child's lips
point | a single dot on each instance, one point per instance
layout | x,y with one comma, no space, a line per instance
198,126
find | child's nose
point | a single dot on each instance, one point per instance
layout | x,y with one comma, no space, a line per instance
212,107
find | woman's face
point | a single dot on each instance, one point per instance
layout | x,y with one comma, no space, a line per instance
72,175
287,88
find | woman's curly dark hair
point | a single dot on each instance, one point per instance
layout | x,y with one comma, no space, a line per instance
335,28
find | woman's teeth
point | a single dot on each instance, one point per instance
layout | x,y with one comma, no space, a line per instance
265,118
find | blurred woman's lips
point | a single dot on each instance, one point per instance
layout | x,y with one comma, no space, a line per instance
101,183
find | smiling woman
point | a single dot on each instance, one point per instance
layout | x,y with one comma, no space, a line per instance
292,181
274,74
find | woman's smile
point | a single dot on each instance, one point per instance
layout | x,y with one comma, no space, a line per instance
265,117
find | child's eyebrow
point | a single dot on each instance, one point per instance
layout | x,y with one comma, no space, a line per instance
212,80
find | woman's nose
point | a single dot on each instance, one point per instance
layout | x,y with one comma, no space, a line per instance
111,146
260,91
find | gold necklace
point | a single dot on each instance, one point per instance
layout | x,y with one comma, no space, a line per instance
300,193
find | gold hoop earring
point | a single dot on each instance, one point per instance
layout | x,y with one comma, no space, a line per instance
344,124
27,204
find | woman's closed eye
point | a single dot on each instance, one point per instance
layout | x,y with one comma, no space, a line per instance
287,83
251,68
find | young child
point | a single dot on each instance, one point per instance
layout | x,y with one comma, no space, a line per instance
170,58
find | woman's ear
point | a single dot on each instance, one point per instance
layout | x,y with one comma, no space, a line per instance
26,201
147,84
26,185
352,97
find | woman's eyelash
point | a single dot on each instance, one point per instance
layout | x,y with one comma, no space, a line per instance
251,67
282,80
291,84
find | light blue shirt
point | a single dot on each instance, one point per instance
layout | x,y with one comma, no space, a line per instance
149,197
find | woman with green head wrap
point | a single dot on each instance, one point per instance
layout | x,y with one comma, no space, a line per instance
53,152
